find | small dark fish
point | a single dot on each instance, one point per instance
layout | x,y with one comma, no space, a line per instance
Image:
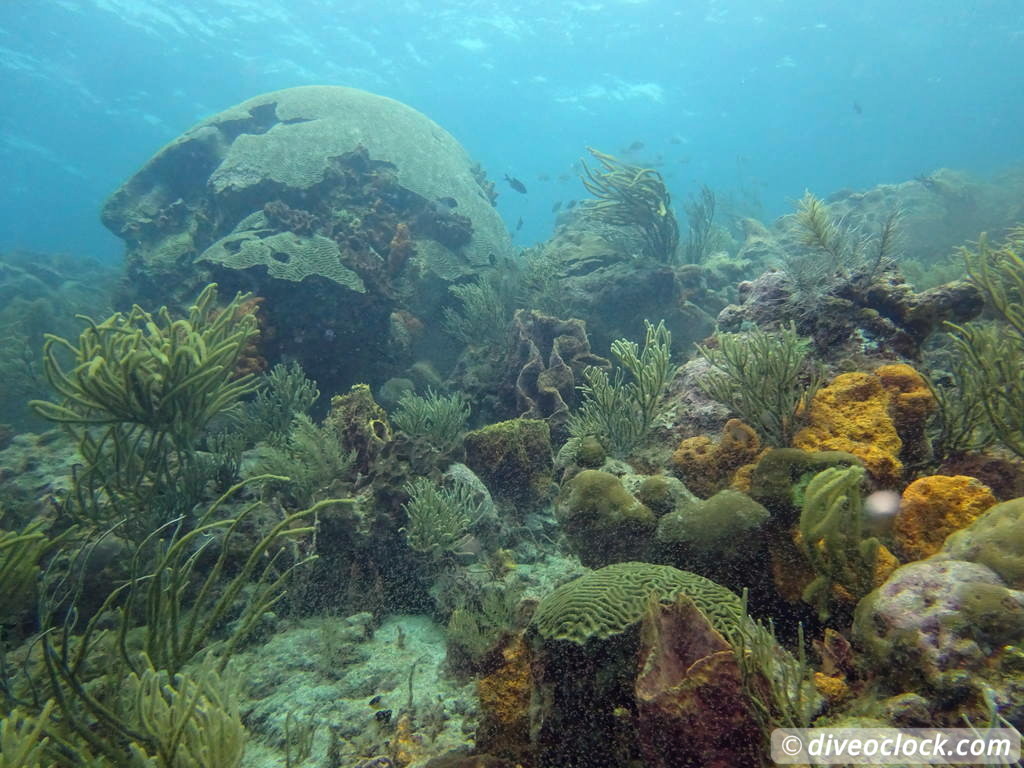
556,206
519,224
857,108
384,716
450,202
571,204
375,701
516,184
636,146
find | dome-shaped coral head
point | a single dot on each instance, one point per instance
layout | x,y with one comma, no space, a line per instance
880,509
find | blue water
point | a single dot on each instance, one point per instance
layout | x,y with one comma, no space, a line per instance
760,99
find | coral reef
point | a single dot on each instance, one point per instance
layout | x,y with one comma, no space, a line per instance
320,200
882,319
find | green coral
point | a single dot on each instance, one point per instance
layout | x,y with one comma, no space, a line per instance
169,376
619,410
611,600
141,391
834,251
832,537
437,419
714,522
994,539
23,739
602,520
438,518
283,394
312,458
764,377
20,554
781,476
476,627
485,314
628,195
286,256
189,720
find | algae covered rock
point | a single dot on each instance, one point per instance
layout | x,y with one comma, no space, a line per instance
995,539
514,460
934,620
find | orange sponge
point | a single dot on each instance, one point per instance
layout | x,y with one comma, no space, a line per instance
852,414
933,507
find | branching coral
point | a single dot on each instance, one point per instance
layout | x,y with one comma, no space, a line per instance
438,517
832,537
619,412
118,680
628,195
140,394
484,316
995,353
169,376
764,377
834,250
438,419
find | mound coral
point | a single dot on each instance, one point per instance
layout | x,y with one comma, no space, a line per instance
603,521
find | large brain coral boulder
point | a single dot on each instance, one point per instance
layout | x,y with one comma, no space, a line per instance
329,202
